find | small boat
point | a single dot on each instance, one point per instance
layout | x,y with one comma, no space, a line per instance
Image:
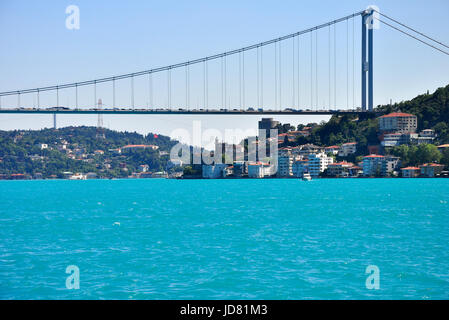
306,177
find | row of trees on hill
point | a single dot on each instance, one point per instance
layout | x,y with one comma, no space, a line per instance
17,147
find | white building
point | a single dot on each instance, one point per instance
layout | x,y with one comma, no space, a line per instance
397,139
332,149
285,164
299,167
425,136
373,165
260,170
317,163
347,148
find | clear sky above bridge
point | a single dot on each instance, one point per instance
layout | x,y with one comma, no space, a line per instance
121,37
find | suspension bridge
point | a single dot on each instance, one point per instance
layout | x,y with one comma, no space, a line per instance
282,76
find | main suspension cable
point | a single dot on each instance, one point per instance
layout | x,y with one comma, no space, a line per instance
412,36
414,30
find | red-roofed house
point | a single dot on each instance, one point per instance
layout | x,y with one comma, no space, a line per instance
443,147
347,149
373,165
431,170
339,169
332,149
398,122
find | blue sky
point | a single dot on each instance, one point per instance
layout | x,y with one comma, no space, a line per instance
127,36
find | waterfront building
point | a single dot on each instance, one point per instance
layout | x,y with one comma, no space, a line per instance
347,148
339,169
430,170
317,163
239,168
228,171
142,175
372,165
77,176
355,171
91,175
19,176
255,170
285,164
410,172
213,171
398,122
390,165
260,170
377,165
299,167
159,174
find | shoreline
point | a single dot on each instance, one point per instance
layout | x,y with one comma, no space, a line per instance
230,178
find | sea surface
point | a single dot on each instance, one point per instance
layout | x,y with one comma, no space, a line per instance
225,239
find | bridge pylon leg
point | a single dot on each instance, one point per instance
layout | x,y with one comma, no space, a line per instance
367,60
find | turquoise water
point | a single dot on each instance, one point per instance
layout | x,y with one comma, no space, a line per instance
225,239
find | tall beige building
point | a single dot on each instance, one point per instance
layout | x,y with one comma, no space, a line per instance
398,122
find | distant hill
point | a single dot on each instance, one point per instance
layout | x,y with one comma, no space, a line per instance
21,151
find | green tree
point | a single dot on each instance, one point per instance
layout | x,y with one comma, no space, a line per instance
445,158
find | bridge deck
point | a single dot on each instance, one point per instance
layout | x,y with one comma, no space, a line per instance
177,111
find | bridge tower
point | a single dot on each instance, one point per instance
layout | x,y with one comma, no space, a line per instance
367,59
100,130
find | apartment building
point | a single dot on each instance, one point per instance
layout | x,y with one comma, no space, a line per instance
398,122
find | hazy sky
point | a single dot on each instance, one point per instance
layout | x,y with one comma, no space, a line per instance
120,37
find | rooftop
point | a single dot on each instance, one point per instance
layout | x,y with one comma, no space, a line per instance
374,156
343,163
432,165
397,114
